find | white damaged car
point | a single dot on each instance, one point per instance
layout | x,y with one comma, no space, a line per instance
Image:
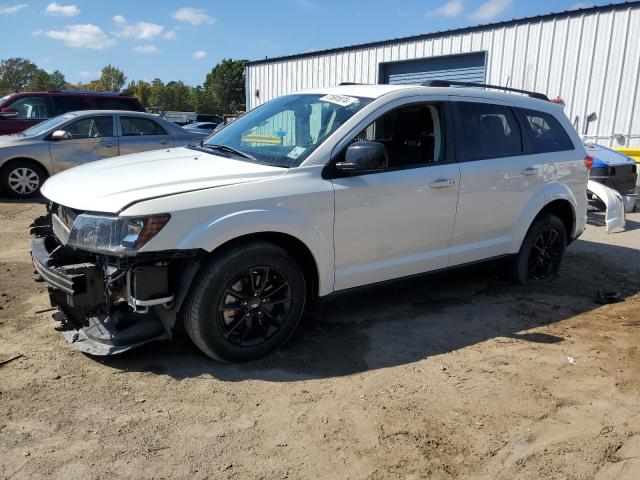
309,194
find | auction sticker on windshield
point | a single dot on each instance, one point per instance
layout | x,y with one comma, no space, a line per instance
296,152
342,100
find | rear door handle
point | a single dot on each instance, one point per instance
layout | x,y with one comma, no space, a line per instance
108,145
164,142
442,183
529,171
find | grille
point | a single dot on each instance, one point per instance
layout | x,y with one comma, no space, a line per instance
60,230
67,216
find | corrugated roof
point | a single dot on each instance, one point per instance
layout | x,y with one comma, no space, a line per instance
546,16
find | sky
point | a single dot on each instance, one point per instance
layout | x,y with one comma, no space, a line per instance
183,40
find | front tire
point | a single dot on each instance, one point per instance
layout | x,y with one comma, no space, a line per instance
247,301
541,253
22,178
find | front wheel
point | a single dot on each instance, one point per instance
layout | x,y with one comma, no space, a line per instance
22,178
542,251
247,302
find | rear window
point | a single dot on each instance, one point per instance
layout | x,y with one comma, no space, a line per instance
107,103
487,131
546,132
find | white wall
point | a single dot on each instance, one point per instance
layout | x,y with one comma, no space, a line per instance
589,59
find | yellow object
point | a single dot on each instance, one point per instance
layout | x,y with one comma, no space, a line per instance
270,139
630,152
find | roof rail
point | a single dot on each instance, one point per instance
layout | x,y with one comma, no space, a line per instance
92,92
449,83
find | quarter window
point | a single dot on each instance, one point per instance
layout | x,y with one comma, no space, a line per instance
487,131
31,107
135,126
413,135
547,135
91,127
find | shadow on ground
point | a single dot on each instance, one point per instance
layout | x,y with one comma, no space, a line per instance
410,320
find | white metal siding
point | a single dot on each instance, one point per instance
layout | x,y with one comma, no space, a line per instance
589,59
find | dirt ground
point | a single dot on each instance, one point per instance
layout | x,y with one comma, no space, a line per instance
459,375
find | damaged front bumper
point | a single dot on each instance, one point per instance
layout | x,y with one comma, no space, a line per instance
108,305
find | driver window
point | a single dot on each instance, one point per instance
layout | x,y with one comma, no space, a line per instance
91,127
412,135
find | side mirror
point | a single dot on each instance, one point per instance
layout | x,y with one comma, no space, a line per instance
364,157
60,135
9,113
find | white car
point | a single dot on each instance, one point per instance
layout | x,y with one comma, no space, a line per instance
307,195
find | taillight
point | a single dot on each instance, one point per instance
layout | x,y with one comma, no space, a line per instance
588,162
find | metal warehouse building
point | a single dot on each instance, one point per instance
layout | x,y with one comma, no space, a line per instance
590,58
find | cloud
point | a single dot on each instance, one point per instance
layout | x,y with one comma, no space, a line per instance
82,36
138,30
579,5
88,74
449,9
199,54
490,10
12,9
170,35
145,49
194,16
61,10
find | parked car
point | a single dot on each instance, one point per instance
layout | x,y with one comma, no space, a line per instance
613,169
310,194
28,158
201,128
19,111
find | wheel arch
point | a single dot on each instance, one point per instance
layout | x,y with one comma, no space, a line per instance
563,209
13,160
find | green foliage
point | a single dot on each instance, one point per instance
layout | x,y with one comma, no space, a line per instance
16,73
222,92
112,79
42,81
224,86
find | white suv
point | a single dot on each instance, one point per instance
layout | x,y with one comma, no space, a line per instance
306,195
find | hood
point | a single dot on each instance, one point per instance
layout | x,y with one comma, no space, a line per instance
606,157
11,140
110,185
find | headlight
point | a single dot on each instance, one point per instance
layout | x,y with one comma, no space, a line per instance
114,235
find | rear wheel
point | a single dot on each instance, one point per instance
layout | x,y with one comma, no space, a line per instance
246,303
542,251
22,178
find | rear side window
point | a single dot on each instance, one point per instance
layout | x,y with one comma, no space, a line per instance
31,107
547,135
487,131
135,126
69,104
107,103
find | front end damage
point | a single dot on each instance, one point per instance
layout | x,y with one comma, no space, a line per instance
109,304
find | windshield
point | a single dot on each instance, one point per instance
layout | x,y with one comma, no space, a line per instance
283,132
47,125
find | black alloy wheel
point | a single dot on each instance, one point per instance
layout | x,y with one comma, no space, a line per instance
254,306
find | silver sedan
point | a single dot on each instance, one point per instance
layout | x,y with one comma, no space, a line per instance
28,158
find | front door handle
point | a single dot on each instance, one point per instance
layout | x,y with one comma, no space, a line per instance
529,171
108,145
442,183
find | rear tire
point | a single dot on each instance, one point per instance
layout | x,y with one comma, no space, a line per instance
22,178
541,253
246,302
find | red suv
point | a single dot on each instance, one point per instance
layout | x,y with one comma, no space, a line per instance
19,111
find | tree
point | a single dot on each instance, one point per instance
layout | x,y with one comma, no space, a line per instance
112,79
42,81
224,87
16,73
141,90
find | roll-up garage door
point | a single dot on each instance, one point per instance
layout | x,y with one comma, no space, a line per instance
467,67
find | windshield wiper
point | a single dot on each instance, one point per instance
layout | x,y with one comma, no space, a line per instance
225,148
